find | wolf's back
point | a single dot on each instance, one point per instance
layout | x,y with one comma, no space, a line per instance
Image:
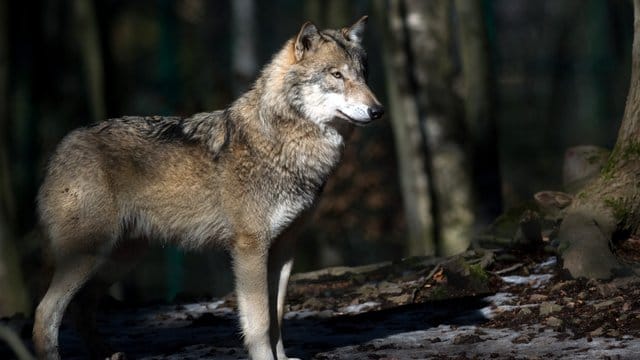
114,171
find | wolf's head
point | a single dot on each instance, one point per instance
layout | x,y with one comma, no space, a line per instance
328,76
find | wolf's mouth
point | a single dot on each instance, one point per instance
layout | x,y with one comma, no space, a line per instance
352,120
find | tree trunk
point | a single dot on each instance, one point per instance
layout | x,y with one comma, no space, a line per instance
91,56
243,53
479,95
168,70
428,125
430,36
410,145
332,14
13,294
610,206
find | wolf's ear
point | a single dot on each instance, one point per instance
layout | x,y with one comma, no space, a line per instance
355,32
306,39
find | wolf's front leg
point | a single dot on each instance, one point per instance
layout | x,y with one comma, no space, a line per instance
250,269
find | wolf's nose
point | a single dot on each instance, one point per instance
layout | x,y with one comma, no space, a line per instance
375,112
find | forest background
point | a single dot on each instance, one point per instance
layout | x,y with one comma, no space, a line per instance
483,99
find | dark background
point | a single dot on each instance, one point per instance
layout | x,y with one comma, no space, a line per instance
560,68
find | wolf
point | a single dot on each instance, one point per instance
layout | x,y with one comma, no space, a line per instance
235,178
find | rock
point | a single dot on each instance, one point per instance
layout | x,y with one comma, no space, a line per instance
549,307
570,304
613,333
604,304
466,339
389,288
522,339
597,332
606,290
584,245
524,312
313,303
538,298
401,299
553,322
367,290
561,285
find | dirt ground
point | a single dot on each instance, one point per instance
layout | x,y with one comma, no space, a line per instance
480,305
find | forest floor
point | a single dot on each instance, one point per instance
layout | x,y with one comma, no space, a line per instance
480,305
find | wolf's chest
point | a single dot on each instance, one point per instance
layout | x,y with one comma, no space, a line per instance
300,171
284,212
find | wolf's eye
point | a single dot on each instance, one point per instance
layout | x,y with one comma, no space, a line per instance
336,74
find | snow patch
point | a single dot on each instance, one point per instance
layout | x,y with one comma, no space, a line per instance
358,308
433,342
300,314
500,298
551,261
535,281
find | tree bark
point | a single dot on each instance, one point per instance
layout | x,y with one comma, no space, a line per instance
332,14
13,294
410,145
430,32
609,206
243,53
428,125
89,40
479,103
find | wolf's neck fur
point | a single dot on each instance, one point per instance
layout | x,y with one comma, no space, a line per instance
272,92
280,127
266,122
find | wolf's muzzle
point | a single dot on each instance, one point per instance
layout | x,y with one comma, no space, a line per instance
375,112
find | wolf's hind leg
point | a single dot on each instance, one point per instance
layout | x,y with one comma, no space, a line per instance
123,258
280,264
71,273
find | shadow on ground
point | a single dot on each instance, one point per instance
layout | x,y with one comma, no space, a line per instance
161,333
